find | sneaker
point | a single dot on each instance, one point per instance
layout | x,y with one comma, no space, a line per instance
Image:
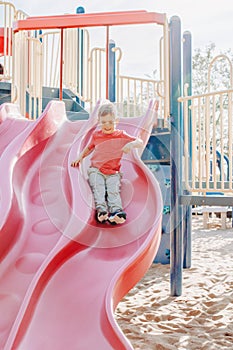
118,217
101,216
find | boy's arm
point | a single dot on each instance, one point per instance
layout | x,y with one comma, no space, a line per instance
82,155
132,144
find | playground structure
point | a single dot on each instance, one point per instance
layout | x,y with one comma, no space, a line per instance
178,141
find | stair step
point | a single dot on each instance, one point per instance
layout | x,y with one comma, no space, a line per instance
73,106
77,115
5,98
5,92
5,86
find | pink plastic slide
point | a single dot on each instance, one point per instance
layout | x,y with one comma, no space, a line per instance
62,274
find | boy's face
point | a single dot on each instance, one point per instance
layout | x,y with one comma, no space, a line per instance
107,123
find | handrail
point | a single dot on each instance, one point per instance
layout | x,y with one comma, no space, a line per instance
212,93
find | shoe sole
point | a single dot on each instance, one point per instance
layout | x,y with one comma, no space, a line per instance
117,219
103,220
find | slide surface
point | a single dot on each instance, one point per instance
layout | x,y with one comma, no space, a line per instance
61,273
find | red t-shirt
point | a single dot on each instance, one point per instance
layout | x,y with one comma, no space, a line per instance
107,151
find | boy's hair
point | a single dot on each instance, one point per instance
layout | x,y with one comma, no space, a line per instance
107,108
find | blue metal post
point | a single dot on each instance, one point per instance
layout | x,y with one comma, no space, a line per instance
112,72
176,262
80,10
187,78
40,33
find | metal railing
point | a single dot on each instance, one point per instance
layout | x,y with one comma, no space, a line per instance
8,14
38,60
135,94
208,141
34,63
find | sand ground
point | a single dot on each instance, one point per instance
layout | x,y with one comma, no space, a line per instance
200,319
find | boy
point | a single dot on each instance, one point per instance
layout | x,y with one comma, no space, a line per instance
107,145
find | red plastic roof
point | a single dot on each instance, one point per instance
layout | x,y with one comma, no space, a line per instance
89,20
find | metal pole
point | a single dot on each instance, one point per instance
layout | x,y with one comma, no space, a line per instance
107,60
80,55
187,79
112,72
61,65
176,262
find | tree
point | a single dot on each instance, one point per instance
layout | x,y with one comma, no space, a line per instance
220,78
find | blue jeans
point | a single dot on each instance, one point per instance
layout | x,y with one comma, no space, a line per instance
106,190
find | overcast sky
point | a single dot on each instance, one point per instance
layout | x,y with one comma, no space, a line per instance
207,20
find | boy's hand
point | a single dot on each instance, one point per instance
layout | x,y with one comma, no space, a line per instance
133,144
75,164
127,148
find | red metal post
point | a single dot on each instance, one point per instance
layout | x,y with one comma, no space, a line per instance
61,65
107,59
